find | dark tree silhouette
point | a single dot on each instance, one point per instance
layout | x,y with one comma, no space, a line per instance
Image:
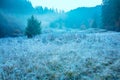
33,27
111,14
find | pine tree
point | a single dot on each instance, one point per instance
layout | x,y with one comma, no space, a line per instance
33,27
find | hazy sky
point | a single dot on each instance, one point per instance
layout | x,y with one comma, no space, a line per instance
66,5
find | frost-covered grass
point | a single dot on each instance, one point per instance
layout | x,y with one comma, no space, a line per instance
72,55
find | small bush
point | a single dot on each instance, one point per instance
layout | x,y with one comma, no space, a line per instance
33,27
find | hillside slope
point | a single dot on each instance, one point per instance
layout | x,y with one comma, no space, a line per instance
82,17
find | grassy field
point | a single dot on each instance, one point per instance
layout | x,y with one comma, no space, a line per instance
63,55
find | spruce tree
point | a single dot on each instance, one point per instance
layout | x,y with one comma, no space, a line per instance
33,27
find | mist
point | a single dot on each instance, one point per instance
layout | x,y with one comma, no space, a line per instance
14,15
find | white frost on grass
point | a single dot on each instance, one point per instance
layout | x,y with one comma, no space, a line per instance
72,55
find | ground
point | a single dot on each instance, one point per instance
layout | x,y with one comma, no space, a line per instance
62,55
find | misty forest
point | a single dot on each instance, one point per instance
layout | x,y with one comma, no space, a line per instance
42,43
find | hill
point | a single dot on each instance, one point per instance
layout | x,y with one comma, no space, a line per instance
16,6
81,17
9,25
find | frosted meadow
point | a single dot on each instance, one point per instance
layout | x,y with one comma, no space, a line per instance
63,55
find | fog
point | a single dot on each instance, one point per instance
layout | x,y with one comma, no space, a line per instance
14,15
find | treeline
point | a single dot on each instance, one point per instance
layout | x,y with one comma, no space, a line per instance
106,16
24,7
45,10
111,15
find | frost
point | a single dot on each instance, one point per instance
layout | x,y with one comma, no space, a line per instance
62,55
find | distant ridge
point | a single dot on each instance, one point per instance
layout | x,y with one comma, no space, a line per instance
79,17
